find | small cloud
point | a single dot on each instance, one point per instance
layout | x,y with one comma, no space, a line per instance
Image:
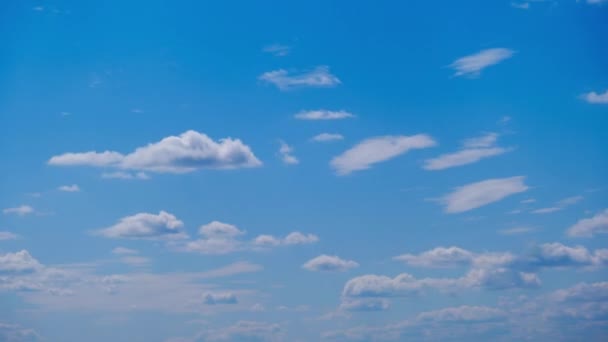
521,5
378,149
329,263
145,226
4,236
589,227
475,195
472,65
319,77
219,298
137,110
596,98
327,137
69,188
323,114
285,152
277,50
294,238
20,211
560,205
517,230
38,8
135,260
125,175
124,251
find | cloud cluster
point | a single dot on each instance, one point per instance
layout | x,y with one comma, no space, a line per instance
286,154
187,152
378,149
589,227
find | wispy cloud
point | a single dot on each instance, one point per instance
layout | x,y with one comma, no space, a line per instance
472,65
329,263
187,152
125,175
560,205
8,236
69,188
320,77
596,98
475,195
521,5
278,50
326,137
323,114
286,154
378,149
20,211
473,150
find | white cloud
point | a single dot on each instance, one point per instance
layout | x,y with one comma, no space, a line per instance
319,77
478,194
242,331
21,210
69,188
517,230
597,224
596,2
560,205
472,65
286,154
135,260
266,240
212,298
297,238
188,152
145,226
124,251
364,304
14,332
323,114
521,5
473,150
325,137
596,98
125,175
438,257
20,261
463,313
217,229
329,263
277,50
378,149
7,236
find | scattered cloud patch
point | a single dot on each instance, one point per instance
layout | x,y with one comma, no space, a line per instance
517,230
286,154
125,175
329,263
475,195
187,152
124,251
319,77
378,149
323,114
219,298
596,98
17,262
472,65
521,5
4,236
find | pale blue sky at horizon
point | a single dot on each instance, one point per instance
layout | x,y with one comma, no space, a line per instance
182,171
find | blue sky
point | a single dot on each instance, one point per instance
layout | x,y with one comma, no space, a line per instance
304,171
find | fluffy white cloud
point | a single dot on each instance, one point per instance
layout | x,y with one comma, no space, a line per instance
439,257
597,224
472,65
323,114
217,229
213,298
596,98
8,236
583,292
21,210
286,154
319,77
20,261
266,240
187,152
325,137
297,238
473,150
329,263
560,205
478,194
69,188
378,149
146,226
